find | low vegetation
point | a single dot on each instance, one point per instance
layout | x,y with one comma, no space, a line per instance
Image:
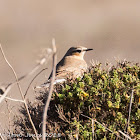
96,105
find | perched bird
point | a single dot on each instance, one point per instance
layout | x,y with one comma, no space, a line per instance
72,63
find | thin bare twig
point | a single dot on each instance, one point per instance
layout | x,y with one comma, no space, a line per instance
102,125
129,114
10,85
50,90
12,99
20,90
1,136
92,128
125,135
61,113
130,106
41,62
5,93
33,80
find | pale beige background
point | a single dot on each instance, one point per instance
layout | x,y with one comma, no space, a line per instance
110,27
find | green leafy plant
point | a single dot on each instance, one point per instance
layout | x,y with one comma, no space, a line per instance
101,94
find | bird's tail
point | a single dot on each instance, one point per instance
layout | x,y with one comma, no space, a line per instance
47,84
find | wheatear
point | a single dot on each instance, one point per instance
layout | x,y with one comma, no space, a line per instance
72,63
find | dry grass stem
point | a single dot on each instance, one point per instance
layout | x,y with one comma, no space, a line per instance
32,81
50,90
92,128
10,85
20,90
61,113
1,137
125,135
5,93
12,99
130,106
103,126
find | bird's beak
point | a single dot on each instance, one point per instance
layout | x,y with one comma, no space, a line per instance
88,49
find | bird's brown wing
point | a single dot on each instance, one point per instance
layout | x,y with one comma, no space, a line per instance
68,66
71,66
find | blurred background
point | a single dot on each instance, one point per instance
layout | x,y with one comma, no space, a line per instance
111,28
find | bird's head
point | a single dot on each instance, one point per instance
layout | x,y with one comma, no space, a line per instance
77,52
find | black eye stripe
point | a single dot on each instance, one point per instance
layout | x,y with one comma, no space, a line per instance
79,51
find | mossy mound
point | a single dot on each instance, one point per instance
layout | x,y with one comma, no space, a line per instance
101,94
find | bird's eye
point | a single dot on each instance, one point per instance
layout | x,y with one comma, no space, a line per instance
79,51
